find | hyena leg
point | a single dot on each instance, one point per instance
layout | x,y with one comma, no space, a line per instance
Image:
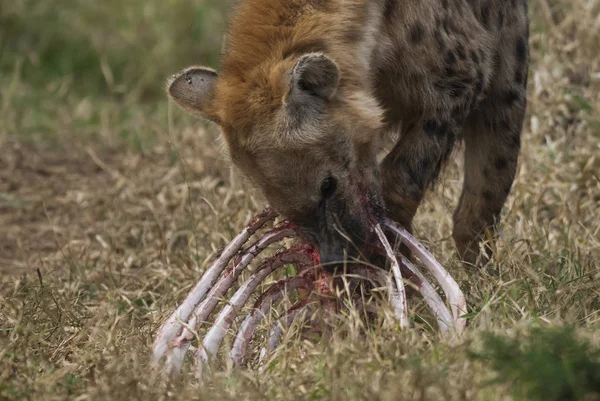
492,135
413,165
492,143
409,169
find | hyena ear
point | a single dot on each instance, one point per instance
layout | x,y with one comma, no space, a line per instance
193,89
314,76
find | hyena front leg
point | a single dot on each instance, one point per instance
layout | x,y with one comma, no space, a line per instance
492,143
413,165
492,135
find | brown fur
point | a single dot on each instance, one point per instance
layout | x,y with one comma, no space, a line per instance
307,88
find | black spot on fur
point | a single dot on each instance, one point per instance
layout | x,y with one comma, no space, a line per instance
516,140
455,86
514,136
450,58
444,129
501,163
511,130
511,96
521,50
416,33
420,171
430,127
445,4
486,173
479,83
389,10
449,72
485,16
488,196
500,19
519,79
436,129
474,57
425,164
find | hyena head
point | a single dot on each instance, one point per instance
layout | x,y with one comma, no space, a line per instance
305,137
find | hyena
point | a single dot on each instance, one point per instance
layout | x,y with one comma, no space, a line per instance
307,89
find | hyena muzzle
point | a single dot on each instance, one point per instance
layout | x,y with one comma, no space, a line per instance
307,89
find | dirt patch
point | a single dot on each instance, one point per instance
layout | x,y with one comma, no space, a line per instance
61,201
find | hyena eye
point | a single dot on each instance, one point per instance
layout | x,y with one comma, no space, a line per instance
328,187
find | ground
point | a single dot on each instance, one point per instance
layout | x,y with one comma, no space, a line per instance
112,202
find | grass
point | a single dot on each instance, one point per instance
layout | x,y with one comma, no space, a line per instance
545,364
112,203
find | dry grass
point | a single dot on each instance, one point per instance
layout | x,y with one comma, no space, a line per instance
109,216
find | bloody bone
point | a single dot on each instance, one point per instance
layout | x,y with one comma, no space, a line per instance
179,330
300,308
456,298
297,256
261,308
173,325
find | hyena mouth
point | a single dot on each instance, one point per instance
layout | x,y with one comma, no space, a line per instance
315,290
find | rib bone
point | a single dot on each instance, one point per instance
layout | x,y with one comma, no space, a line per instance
454,295
400,307
299,256
382,279
262,306
183,340
432,298
231,275
173,324
300,308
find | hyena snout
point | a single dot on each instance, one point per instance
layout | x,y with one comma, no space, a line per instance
344,239
338,249
333,257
